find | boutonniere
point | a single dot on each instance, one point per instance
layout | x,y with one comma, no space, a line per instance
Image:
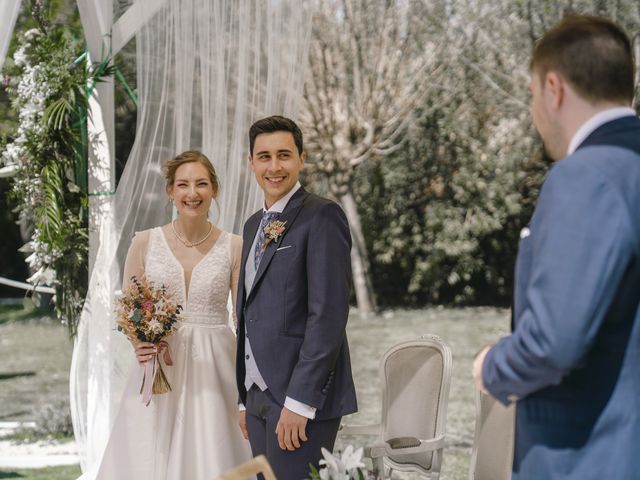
273,231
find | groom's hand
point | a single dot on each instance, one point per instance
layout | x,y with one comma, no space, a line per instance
291,430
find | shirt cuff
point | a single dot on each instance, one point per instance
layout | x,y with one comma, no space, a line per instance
300,408
241,407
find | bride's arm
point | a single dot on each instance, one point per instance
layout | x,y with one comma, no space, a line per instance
236,259
134,266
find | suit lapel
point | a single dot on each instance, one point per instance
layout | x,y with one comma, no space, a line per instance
249,234
252,228
289,215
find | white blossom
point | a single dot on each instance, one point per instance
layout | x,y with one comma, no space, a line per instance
20,56
344,467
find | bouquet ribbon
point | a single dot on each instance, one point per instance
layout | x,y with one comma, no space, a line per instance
154,380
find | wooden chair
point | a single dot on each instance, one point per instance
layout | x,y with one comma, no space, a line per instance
249,469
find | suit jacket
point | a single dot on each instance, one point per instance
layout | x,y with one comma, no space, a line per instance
573,358
296,311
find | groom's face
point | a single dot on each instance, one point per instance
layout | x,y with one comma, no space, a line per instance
276,163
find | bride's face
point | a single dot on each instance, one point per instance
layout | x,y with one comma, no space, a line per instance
192,190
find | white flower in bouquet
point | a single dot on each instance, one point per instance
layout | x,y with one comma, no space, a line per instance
156,326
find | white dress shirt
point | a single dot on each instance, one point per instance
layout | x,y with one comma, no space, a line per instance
597,121
253,375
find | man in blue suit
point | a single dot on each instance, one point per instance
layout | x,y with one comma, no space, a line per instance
572,362
293,366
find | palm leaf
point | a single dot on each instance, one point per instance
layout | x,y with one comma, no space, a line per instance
53,195
57,113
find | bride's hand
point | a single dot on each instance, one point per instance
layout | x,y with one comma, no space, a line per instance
145,351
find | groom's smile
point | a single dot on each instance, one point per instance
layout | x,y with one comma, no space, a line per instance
276,163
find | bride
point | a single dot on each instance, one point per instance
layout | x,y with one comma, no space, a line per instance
190,432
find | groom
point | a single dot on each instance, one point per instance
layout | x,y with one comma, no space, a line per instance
293,367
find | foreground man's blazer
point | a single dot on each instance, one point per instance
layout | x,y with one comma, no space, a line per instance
573,358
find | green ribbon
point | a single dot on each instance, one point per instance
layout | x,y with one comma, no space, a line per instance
126,86
102,67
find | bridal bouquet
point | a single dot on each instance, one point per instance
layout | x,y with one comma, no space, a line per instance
146,313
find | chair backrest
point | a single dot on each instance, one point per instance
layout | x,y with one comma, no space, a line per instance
415,377
492,453
249,469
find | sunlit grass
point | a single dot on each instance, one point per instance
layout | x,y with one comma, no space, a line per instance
26,311
67,472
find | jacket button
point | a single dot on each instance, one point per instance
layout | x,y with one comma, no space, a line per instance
324,391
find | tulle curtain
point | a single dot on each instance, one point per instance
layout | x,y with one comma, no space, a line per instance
8,13
206,70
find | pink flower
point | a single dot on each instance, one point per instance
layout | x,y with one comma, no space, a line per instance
147,305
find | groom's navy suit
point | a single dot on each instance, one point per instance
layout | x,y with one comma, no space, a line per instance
295,315
573,358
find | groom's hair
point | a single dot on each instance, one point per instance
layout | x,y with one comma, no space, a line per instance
275,123
592,53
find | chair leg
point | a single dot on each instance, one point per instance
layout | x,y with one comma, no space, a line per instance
378,468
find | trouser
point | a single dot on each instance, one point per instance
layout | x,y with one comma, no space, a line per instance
263,413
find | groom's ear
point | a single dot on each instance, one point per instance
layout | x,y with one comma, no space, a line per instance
303,157
250,160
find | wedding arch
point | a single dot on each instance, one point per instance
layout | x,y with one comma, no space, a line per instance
206,69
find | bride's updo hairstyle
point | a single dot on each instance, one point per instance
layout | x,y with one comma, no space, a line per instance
170,167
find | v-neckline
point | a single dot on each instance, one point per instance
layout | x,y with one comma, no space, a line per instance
186,290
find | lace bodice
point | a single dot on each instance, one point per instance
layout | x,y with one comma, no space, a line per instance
205,301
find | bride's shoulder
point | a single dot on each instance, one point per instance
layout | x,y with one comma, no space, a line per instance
234,240
141,238
145,234
235,244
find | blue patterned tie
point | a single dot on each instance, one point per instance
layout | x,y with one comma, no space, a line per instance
266,218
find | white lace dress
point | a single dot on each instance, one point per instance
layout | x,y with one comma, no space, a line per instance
190,433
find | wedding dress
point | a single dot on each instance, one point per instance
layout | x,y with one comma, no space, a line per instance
190,433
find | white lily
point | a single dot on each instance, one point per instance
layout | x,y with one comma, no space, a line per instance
344,467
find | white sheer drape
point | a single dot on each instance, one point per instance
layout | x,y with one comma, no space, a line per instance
206,70
8,13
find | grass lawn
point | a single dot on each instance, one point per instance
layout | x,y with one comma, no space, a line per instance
34,371
15,313
36,354
51,473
